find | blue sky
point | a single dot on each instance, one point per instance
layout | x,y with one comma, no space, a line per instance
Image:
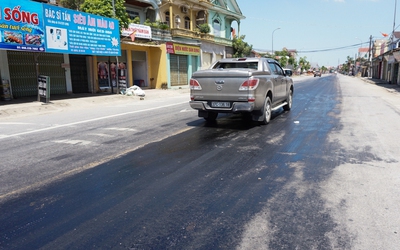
308,25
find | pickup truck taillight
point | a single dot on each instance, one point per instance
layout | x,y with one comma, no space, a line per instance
194,84
250,84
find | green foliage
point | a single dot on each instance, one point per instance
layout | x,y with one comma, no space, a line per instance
162,26
240,47
284,52
204,28
285,58
292,61
136,20
148,23
283,61
71,4
156,25
105,8
304,64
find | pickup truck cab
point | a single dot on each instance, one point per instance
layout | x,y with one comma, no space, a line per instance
254,86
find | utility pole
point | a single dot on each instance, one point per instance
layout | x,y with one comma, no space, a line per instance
273,40
369,57
116,57
394,19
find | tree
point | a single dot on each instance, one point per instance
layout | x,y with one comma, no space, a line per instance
72,4
284,57
283,61
304,64
292,61
105,8
240,47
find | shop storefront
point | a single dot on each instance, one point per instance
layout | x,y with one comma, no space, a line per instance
111,72
22,69
144,61
41,39
210,53
183,60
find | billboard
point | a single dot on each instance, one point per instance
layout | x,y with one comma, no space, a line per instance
36,27
73,32
21,26
182,49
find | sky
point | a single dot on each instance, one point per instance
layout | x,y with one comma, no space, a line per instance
339,27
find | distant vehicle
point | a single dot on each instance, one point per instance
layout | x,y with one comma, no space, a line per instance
317,73
251,86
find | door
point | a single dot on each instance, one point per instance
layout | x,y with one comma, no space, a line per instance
279,80
179,70
395,73
79,75
23,77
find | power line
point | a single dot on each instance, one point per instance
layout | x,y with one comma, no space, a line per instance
331,49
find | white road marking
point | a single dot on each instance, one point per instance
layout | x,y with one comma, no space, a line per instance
15,123
188,110
123,129
102,135
74,142
90,120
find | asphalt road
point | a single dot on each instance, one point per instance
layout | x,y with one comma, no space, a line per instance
152,175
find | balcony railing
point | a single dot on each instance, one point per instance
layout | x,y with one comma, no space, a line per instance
201,36
161,35
223,41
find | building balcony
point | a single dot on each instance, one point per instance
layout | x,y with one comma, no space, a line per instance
223,41
160,35
200,36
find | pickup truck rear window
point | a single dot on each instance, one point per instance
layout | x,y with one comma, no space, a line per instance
236,65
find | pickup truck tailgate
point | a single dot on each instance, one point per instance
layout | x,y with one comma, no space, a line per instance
220,85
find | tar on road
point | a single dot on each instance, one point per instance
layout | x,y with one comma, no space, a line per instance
322,176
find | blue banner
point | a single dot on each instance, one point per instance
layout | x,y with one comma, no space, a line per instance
72,32
21,26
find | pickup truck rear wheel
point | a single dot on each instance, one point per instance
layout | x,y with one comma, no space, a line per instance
212,116
289,101
267,110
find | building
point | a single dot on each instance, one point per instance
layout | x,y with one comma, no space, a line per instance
386,58
172,39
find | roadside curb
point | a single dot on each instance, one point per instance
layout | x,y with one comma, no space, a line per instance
30,106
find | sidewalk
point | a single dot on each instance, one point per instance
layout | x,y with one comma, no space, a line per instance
25,106
382,83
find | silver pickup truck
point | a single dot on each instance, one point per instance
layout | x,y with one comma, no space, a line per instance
253,86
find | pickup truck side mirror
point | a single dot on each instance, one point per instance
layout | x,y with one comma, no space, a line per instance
288,72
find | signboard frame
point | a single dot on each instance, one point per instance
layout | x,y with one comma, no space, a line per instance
44,88
38,27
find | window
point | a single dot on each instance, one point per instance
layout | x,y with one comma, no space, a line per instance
243,65
273,68
167,17
132,14
276,69
187,23
201,17
279,70
217,27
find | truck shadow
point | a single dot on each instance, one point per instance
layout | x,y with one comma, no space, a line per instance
233,121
